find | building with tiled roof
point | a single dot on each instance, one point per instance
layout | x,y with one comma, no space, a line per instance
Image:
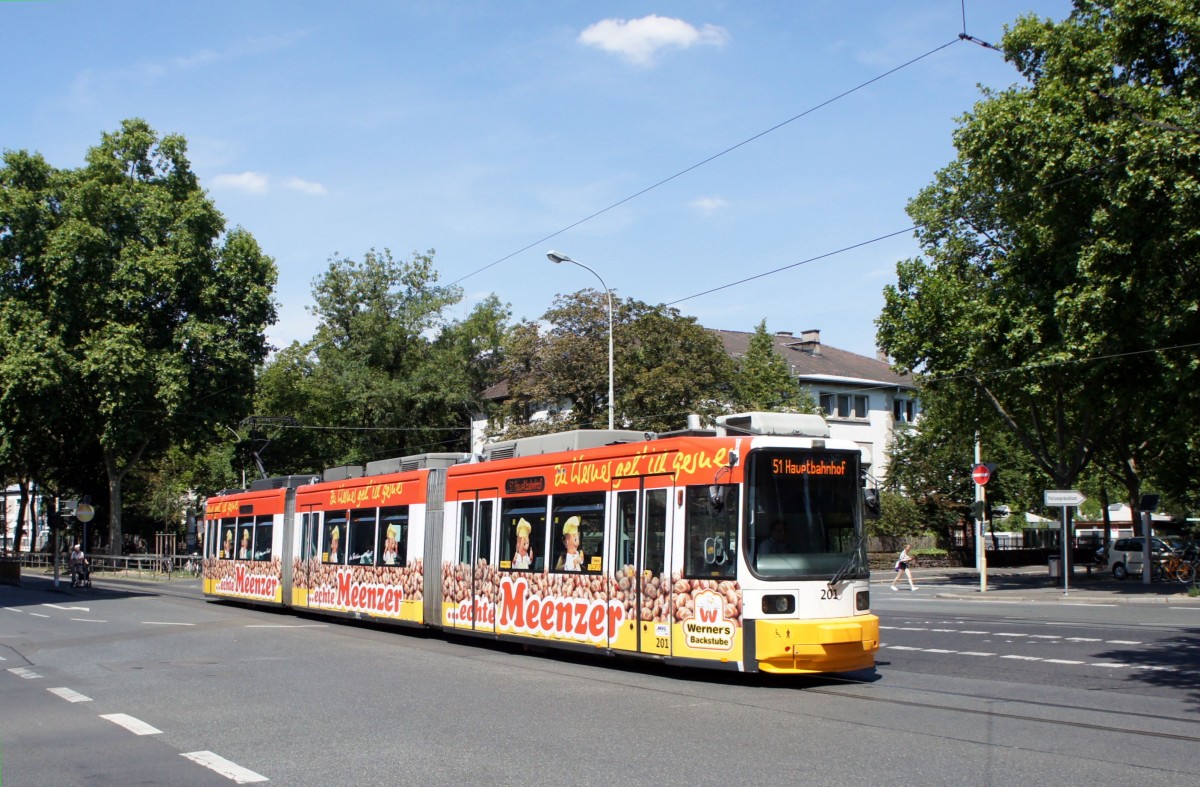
863,399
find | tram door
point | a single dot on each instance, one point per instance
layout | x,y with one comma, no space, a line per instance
642,521
476,523
310,529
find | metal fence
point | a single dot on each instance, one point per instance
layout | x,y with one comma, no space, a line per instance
145,566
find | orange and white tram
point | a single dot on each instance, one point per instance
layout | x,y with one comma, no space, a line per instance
733,548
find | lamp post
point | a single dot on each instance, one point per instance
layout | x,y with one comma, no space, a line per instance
558,257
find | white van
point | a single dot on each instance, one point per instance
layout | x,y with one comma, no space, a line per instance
1125,557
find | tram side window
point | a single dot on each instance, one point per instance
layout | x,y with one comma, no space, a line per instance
523,534
360,543
264,528
577,532
711,532
393,536
333,548
245,536
228,540
308,535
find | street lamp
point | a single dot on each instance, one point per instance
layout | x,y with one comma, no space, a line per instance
557,257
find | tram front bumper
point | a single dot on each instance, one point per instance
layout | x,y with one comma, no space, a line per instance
811,646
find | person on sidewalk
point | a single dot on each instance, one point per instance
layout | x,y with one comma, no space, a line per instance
902,568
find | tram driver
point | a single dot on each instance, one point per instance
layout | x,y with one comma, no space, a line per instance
776,542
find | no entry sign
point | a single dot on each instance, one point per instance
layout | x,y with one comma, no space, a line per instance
980,474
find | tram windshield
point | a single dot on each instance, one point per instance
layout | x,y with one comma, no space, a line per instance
802,512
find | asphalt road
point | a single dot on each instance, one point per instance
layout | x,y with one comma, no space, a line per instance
965,692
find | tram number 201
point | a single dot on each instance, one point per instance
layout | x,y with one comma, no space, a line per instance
830,594
662,643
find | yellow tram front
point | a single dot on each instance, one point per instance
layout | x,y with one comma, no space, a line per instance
803,569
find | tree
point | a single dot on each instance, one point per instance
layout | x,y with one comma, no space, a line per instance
762,381
153,314
386,373
666,366
1060,265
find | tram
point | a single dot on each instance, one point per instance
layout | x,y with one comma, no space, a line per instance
738,547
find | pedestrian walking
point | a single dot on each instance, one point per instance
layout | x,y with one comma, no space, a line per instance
902,568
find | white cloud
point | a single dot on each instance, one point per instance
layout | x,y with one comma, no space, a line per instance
248,182
708,205
304,186
639,40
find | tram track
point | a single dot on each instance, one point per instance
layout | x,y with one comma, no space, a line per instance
992,713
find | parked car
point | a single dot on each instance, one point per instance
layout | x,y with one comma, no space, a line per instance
1126,555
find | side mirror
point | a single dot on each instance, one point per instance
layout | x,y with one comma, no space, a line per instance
871,503
716,499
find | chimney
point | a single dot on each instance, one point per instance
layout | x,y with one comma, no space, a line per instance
810,342
783,333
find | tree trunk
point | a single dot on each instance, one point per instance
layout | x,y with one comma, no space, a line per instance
22,509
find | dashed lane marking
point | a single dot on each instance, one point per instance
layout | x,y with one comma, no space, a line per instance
22,672
230,770
88,620
70,695
165,623
136,726
38,615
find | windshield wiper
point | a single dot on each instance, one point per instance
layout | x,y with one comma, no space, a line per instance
853,562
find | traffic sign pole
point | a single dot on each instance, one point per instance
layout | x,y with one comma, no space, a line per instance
1067,499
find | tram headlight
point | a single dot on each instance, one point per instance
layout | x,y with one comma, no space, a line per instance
862,600
778,605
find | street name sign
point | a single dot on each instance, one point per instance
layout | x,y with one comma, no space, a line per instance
1063,497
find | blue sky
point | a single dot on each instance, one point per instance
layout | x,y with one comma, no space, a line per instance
480,128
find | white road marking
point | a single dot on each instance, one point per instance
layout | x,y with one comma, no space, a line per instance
1009,634
88,620
1064,661
939,650
14,609
1121,642
164,623
1022,658
283,626
972,632
902,647
229,770
1083,639
1045,636
1112,664
22,672
70,695
38,615
60,606
136,726
974,653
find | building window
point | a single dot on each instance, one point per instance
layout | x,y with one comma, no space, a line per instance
904,410
846,406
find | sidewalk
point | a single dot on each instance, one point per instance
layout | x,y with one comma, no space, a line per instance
1034,583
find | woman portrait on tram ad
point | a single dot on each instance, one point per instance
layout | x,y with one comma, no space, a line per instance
523,558
244,552
391,549
227,551
573,558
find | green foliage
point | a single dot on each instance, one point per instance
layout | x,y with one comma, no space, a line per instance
763,382
386,374
666,366
1060,251
900,517
147,317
